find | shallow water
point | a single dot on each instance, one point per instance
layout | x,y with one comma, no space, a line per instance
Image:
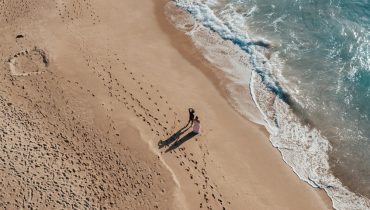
326,53
315,56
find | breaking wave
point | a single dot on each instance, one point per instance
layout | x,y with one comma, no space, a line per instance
251,66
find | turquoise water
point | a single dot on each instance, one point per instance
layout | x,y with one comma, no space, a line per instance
326,52
319,64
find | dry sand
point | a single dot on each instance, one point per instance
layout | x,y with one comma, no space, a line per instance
93,93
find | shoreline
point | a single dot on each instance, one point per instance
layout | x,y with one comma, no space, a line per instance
102,125
284,135
195,56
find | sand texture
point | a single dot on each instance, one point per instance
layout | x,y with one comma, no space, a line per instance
94,97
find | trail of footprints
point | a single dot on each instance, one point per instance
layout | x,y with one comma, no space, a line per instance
144,104
60,173
139,103
68,10
52,177
51,157
195,165
207,190
74,10
13,10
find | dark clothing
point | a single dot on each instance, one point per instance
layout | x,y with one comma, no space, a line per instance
191,117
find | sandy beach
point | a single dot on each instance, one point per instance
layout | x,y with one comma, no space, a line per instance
94,98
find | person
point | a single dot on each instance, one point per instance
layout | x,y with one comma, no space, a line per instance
191,117
196,127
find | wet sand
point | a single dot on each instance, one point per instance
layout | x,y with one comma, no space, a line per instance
93,95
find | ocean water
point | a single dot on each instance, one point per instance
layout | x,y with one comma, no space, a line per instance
305,65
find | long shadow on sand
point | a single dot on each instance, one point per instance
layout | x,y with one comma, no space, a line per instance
173,138
177,139
181,141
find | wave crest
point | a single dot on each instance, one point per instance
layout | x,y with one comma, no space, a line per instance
224,42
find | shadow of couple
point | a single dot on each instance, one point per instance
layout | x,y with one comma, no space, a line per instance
176,140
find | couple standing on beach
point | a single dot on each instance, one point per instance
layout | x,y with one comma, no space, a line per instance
193,121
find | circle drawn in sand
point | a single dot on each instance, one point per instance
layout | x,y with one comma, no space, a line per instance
29,62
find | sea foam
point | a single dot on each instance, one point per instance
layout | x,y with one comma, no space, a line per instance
223,40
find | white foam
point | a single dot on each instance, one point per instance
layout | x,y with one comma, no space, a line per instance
223,54
203,14
303,148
